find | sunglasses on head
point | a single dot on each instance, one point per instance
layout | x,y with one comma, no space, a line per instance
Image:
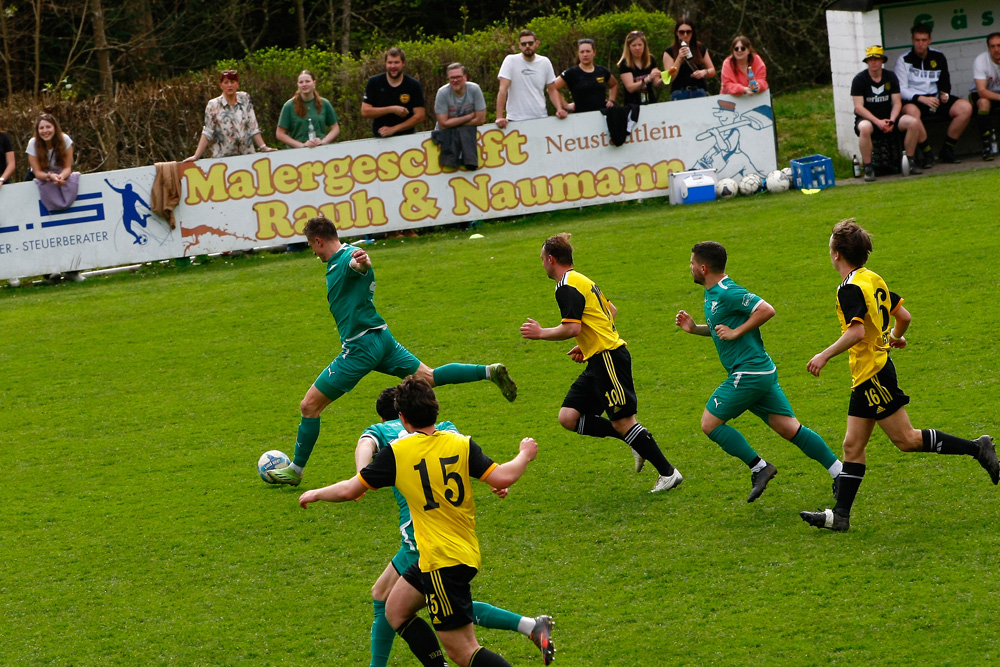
230,74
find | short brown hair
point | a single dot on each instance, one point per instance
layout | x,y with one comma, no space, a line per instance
416,401
852,242
321,227
559,248
712,254
395,52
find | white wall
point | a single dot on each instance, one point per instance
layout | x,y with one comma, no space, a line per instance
850,33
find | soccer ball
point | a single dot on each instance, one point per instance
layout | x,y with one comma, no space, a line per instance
787,171
777,181
726,188
751,184
269,461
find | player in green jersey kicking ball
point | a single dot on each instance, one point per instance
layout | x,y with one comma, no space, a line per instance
367,345
374,439
734,317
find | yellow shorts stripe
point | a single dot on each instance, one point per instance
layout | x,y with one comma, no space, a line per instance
442,595
610,365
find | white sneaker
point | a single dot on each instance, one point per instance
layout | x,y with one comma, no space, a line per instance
14,282
667,482
639,461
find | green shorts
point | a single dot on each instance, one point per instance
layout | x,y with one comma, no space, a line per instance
376,350
760,394
407,554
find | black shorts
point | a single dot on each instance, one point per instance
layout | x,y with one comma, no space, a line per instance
879,396
876,133
448,593
606,386
974,99
941,112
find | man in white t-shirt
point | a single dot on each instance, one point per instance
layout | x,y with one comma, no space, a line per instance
525,78
985,94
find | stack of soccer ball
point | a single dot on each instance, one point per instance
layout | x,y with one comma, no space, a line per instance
778,180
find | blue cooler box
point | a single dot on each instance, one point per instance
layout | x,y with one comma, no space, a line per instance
692,187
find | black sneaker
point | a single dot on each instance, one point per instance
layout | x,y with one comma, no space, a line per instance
947,156
869,173
759,480
987,152
913,167
827,519
928,159
541,634
987,457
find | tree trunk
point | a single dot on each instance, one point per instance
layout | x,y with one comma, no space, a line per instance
300,14
103,55
6,48
345,33
36,7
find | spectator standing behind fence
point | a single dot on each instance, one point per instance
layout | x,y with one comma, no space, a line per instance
693,63
985,93
926,89
593,87
744,72
639,76
307,120
50,153
230,122
878,106
525,78
393,101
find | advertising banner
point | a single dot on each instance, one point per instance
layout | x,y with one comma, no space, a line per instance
382,185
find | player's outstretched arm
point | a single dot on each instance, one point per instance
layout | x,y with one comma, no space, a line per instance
532,330
854,335
364,452
348,489
686,322
360,261
506,474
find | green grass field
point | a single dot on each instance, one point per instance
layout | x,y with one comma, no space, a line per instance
136,531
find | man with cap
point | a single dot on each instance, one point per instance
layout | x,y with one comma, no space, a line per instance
926,88
878,104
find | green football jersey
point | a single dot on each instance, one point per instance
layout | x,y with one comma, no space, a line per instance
384,433
729,304
350,295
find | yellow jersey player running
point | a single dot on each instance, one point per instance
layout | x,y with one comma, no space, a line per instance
606,384
433,470
866,309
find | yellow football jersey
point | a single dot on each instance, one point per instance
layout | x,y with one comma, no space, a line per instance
864,297
433,473
580,300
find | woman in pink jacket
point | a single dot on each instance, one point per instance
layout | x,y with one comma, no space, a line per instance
736,78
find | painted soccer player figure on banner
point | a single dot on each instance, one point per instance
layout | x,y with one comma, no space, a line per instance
374,439
433,470
733,319
872,320
606,384
367,344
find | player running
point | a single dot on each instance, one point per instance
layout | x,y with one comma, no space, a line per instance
606,384
733,319
367,345
374,439
433,469
866,309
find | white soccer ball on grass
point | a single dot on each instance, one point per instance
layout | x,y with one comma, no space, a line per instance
269,461
777,181
751,184
726,188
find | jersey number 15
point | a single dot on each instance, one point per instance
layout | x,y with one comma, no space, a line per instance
455,497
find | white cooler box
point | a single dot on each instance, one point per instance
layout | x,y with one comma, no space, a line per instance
692,187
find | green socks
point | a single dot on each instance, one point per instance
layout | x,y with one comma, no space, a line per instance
458,374
306,440
733,443
814,447
382,636
488,616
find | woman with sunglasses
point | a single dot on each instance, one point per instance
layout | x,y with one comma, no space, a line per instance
736,70
690,57
307,120
230,122
640,77
593,87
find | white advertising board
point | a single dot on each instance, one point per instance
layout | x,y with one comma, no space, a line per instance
382,185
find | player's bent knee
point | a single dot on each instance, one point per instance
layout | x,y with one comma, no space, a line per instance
569,418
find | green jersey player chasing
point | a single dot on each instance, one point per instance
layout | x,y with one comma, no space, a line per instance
367,345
